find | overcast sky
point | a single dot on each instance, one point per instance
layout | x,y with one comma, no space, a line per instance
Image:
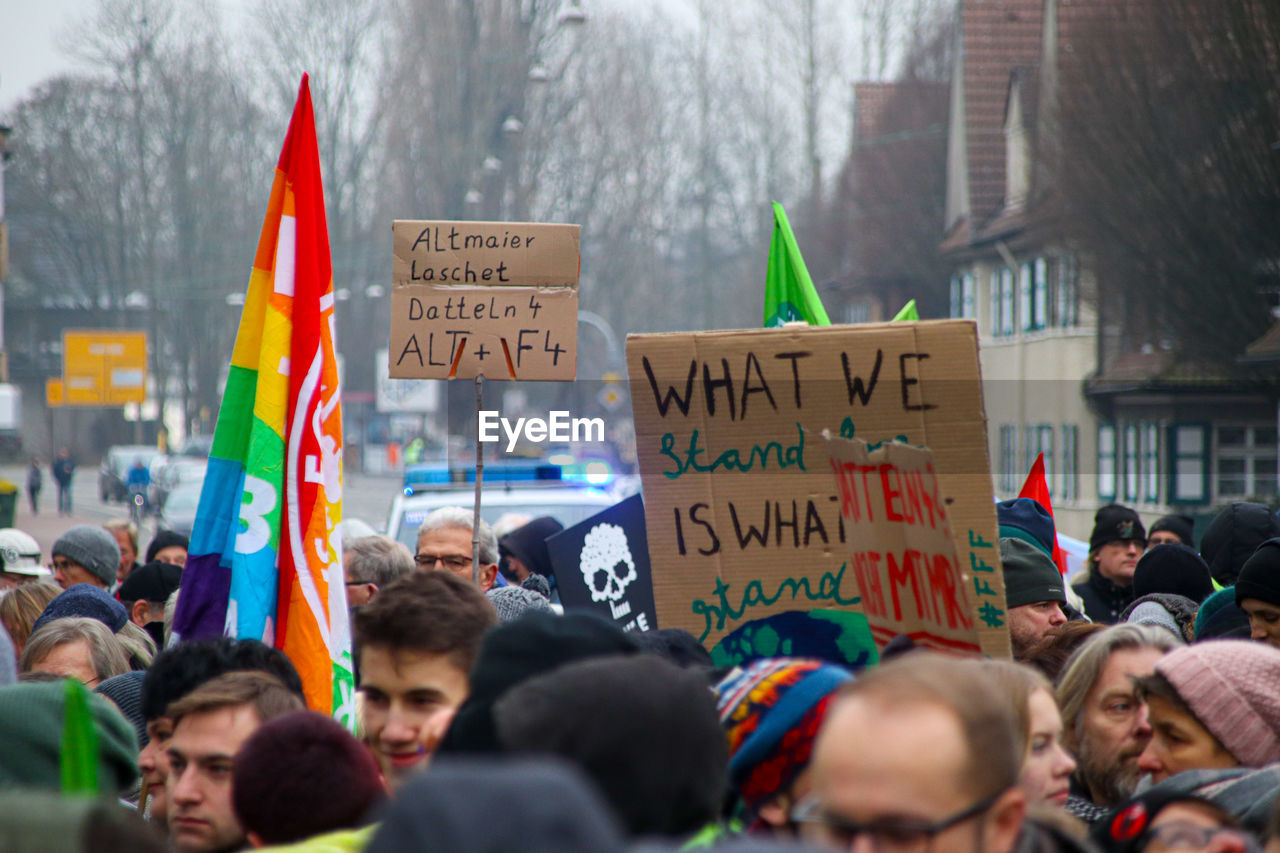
28,53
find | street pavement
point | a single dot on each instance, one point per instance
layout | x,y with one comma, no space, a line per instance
367,498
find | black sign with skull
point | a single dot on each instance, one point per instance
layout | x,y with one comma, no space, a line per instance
602,566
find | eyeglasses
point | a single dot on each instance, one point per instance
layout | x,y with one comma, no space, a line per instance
1181,835
886,836
453,564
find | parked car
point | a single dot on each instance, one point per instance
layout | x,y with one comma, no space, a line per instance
179,511
175,471
115,469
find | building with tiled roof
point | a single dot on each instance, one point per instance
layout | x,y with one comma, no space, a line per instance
1117,418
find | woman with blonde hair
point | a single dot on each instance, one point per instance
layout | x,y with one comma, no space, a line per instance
1047,767
21,606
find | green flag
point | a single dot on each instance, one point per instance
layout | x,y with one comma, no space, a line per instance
908,314
79,759
789,293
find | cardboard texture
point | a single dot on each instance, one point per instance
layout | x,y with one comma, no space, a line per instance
498,299
602,566
742,511
901,550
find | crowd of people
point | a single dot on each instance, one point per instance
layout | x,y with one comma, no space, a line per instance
1140,711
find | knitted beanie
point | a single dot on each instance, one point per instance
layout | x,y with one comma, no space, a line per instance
1212,605
1260,574
512,602
126,692
1030,575
84,599
31,717
326,765
1175,569
771,711
1023,518
1153,613
1182,526
91,547
1175,612
1115,523
165,539
1233,688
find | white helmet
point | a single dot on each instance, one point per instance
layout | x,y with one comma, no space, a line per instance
21,553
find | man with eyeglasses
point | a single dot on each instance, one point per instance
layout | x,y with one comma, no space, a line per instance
371,563
920,756
444,542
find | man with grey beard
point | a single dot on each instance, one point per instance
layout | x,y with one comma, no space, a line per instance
1104,722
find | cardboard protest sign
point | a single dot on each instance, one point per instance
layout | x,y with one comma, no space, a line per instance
748,545
901,551
498,299
602,566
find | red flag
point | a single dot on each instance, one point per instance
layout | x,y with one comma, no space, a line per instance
1037,489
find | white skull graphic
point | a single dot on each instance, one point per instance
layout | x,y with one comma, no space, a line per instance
606,562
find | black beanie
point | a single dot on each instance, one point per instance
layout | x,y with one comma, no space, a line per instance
1029,575
1234,535
1182,526
1115,523
535,643
644,730
166,539
1175,569
1260,575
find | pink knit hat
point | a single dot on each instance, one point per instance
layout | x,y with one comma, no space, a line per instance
1233,688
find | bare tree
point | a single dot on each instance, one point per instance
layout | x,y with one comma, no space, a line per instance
1164,168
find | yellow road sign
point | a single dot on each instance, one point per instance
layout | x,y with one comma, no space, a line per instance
103,367
53,393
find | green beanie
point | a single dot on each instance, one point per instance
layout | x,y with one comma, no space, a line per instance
31,720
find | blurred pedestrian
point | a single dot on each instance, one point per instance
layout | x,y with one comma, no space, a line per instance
35,481
63,469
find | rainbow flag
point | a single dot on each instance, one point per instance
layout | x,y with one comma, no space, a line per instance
265,556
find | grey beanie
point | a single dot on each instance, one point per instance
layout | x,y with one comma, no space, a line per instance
93,548
512,602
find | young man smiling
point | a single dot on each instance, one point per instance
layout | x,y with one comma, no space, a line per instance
415,643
